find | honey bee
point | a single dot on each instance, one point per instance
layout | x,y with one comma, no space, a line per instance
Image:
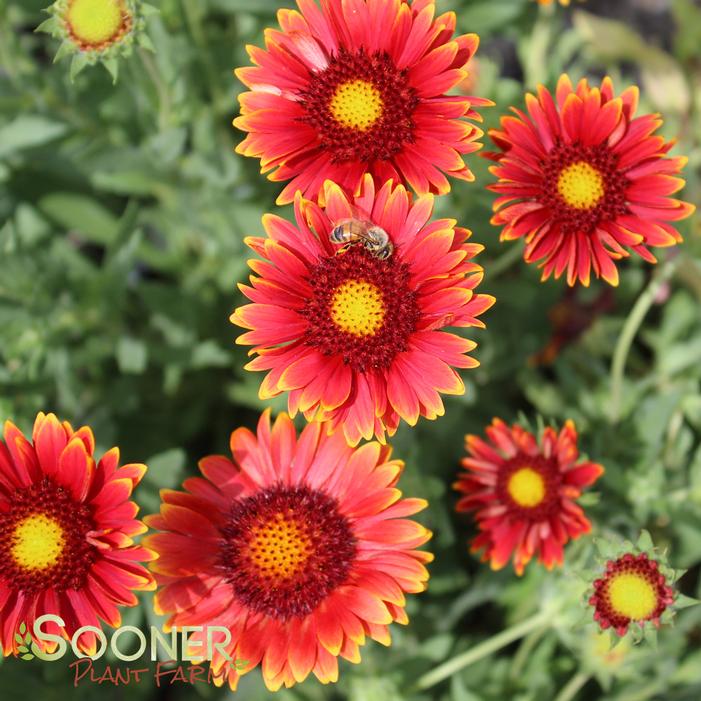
353,231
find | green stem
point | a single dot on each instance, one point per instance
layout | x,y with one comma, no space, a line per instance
535,58
644,693
161,88
573,686
504,261
524,651
465,659
630,330
194,24
7,57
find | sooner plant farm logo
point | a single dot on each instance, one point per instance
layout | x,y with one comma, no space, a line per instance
164,649
24,638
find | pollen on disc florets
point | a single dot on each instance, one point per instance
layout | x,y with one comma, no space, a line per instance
583,186
635,589
43,540
285,549
362,308
529,485
362,106
97,31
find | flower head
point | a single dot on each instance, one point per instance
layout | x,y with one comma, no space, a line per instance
357,339
636,587
66,532
345,89
95,31
523,493
298,545
631,590
584,181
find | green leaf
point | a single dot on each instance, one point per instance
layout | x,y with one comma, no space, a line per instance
209,354
148,10
19,638
23,628
132,355
605,548
489,15
28,657
262,7
82,214
166,469
29,131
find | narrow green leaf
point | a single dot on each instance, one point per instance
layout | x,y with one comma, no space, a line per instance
81,213
29,131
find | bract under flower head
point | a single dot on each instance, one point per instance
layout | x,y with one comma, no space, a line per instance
97,31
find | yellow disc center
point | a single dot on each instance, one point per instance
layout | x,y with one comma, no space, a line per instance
356,104
357,308
526,487
581,185
38,542
95,21
279,548
632,596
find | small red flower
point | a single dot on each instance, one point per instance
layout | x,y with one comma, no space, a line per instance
632,590
349,88
584,181
66,529
523,493
300,546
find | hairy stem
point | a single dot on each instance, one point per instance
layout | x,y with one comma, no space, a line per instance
630,330
573,686
465,659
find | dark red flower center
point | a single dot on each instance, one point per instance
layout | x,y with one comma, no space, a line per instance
361,106
285,549
632,589
362,308
530,485
582,186
43,540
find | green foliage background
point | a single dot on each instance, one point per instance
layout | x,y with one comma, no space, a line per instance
122,215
